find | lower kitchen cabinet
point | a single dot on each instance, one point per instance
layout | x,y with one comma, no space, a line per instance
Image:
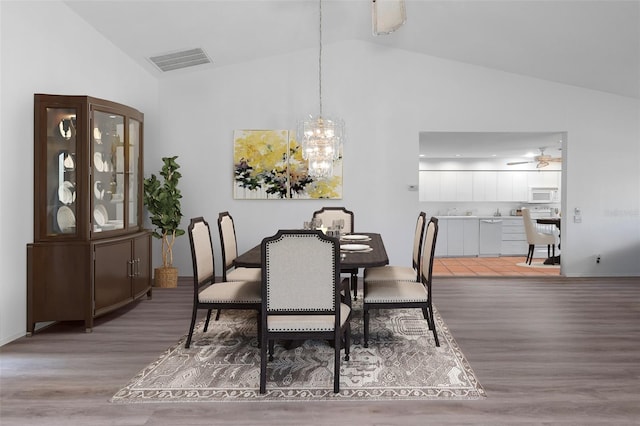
514,238
441,240
69,281
461,236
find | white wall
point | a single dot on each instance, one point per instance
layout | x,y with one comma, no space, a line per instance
46,48
386,98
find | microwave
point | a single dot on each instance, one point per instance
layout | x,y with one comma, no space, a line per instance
539,194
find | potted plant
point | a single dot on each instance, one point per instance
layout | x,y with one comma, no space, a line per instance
162,200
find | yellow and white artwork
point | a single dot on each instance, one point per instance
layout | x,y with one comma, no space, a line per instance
268,164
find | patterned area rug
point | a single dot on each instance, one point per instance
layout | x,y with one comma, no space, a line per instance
223,364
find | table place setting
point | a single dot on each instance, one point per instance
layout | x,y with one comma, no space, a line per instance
355,247
355,237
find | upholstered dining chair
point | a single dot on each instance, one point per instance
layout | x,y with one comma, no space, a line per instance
301,295
328,215
535,237
405,294
208,294
229,245
402,273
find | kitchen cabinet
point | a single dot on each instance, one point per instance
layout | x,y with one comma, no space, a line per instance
514,238
483,185
512,186
429,184
90,253
461,236
545,179
446,185
441,243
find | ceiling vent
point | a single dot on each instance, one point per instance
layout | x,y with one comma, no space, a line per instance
182,59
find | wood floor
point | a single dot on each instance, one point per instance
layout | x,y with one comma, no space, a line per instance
547,350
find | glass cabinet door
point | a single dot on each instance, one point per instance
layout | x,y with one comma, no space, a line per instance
61,178
135,140
108,177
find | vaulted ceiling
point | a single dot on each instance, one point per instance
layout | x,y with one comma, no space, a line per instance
589,44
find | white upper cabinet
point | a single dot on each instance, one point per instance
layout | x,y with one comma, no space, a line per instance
483,185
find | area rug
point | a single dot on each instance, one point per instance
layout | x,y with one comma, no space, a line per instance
223,364
538,265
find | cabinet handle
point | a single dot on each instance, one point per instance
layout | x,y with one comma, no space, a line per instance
137,267
131,266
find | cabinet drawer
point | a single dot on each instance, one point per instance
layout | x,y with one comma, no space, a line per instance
514,248
514,237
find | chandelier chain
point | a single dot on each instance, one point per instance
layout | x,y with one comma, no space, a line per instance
320,58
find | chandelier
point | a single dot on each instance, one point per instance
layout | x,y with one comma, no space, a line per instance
321,137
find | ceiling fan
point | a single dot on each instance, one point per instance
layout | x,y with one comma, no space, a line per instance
542,160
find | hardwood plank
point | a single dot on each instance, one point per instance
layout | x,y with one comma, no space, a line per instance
549,350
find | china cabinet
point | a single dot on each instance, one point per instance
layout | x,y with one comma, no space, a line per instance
90,253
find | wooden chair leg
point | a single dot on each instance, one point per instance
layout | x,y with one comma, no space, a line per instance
193,324
366,327
263,366
346,338
433,324
336,362
354,285
530,255
206,323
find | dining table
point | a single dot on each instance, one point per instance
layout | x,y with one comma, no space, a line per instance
353,254
554,260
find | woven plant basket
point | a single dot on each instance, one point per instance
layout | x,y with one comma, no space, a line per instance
166,277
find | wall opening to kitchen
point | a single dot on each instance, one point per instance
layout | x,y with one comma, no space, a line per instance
477,183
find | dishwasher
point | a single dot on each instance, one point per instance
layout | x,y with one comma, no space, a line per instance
490,243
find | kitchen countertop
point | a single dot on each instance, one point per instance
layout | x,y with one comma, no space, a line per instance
478,217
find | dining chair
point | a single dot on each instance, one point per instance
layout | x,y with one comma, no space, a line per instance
401,294
208,294
402,273
301,295
535,237
328,215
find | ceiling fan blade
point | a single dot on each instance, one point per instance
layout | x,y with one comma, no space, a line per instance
513,163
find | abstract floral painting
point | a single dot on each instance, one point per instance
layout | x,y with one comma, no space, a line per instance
268,164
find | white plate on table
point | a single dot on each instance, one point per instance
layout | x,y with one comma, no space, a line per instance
354,237
354,247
